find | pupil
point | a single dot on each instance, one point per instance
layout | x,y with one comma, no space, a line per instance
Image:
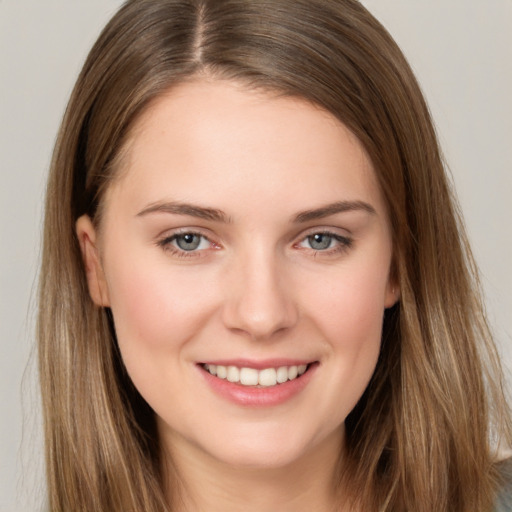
320,241
188,242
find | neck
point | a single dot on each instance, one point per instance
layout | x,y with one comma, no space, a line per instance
200,483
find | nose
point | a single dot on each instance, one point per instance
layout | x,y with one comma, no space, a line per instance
259,298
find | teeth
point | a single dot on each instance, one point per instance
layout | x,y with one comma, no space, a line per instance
282,374
233,374
267,377
252,377
249,376
212,368
222,372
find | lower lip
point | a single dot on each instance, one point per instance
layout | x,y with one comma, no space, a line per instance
259,396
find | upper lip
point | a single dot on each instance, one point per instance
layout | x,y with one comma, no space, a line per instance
258,364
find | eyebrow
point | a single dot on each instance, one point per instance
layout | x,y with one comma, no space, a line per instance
191,210
213,214
332,209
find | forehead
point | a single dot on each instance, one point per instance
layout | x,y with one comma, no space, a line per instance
204,140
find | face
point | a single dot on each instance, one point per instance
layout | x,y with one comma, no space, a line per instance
245,254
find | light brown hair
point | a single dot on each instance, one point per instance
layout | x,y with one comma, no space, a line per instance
421,437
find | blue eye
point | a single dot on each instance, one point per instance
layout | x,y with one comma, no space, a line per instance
188,242
325,241
320,241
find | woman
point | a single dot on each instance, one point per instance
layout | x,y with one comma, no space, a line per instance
256,292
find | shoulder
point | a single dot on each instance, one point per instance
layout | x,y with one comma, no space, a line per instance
504,500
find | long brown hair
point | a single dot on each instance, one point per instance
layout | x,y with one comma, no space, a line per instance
423,435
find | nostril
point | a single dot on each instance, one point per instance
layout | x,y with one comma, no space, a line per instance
259,320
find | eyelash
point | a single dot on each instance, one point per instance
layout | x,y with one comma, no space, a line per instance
343,244
166,244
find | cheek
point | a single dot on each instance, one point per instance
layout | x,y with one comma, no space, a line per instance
351,307
349,313
156,309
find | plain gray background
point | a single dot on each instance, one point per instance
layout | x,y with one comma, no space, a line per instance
461,51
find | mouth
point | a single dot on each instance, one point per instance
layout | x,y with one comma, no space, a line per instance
257,378
258,383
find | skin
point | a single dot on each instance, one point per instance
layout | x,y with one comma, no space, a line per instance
256,287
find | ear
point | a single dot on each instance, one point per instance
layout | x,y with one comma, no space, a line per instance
392,293
392,287
96,282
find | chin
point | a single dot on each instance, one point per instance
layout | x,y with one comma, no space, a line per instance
271,450
269,459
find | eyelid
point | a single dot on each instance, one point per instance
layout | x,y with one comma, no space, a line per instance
327,230
193,230
167,237
345,242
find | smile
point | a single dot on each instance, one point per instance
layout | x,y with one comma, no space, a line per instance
258,383
265,377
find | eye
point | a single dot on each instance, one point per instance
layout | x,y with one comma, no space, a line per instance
325,241
186,242
190,242
320,241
